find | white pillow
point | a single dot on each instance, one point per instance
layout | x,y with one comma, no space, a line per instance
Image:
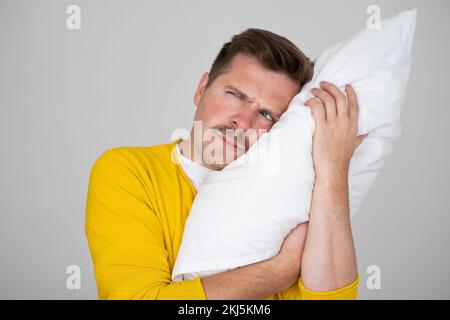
242,213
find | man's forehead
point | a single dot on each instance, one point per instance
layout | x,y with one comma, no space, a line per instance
250,76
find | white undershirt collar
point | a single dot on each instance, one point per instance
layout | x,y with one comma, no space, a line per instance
195,172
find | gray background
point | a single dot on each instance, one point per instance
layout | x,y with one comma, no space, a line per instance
127,78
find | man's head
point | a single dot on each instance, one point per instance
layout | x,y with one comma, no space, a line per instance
249,86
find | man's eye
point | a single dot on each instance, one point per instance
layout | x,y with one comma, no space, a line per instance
270,118
233,93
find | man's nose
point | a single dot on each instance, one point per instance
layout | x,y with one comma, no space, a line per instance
243,119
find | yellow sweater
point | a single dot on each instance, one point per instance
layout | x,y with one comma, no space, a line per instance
137,204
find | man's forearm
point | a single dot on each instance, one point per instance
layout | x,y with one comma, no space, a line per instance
254,281
329,260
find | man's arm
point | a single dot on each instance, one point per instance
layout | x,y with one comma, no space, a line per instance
329,260
262,279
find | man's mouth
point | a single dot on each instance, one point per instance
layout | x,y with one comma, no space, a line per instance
230,142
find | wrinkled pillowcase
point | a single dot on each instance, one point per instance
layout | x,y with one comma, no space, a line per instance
242,213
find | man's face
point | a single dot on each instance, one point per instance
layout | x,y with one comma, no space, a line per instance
244,103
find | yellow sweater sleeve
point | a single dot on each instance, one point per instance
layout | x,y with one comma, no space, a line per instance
126,238
299,292
349,292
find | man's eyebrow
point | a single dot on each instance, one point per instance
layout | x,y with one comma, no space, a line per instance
245,97
239,92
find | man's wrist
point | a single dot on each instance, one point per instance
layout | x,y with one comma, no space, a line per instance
332,177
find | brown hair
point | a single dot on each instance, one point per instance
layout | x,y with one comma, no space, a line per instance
272,51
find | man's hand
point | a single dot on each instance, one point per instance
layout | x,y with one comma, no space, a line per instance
336,121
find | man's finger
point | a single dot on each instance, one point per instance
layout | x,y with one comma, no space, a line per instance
339,97
329,103
317,109
353,107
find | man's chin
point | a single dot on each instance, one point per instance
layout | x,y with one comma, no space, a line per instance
217,167
218,163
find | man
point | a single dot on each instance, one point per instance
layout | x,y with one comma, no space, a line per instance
139,199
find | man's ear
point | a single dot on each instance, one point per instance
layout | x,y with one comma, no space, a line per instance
201,88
